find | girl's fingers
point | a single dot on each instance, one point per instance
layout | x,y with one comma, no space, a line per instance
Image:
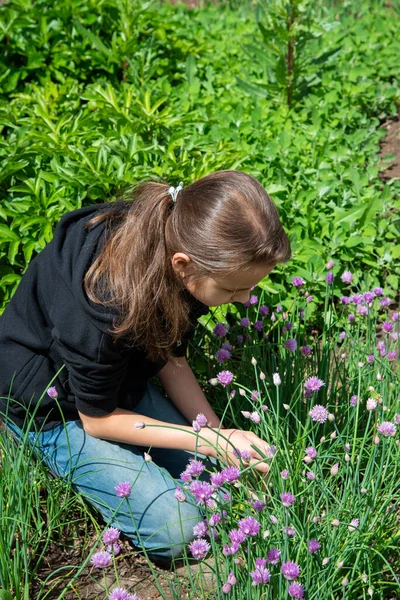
260,466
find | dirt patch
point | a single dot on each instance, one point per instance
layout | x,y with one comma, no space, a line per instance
390,144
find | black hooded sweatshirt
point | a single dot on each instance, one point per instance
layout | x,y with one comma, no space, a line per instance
50,322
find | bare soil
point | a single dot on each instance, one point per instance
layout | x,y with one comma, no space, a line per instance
390,144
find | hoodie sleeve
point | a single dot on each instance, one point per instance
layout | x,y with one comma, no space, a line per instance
95,370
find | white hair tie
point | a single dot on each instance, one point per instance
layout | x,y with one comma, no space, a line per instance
174,191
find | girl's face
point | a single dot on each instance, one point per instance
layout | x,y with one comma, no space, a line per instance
236,287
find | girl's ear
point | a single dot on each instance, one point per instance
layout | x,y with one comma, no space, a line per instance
182,264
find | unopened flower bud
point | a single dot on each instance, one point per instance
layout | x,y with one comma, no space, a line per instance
376,440
378,376
266,534
347,447
333,435
335,522
370,591
308,460
322,440
262,376
364,577
253,361
347,457
335,469
325,561
213,381
363,490
276,379
147,457
340,564
345,581
286,406
331,417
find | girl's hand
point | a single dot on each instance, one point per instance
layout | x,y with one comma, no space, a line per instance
241,440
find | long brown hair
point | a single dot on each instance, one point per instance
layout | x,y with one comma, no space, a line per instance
224,222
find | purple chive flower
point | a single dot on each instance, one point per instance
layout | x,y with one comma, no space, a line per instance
255,395
217,479
230,474
253,300
179,495
285,474
345,300
313,384
261,574
273,556
329,278
306,351
362,310
111,535
287,499
378,291
397,418
52,392
121,594
200,529
309,299
395,317
296,590
289,531
371,358
369,297
279,308
225,378
329,265
196,426
202,420
240,339
298,281
258,325
201,490
387,428
310,475
290,570
244,322
226,588
353,400
123,489
249,526
342,335
357,299
237,536
116,548
186,477
227,346
255,417
311,452
391,355
319,413
258,505
220,330
313,546
222,355
290,344
101,559
264,310
387,326
195,467
199,548
385,302
347,277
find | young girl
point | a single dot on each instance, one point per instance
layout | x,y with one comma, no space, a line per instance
112,302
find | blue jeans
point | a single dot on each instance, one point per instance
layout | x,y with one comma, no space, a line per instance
94,466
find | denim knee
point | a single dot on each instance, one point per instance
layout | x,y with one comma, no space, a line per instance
174,531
